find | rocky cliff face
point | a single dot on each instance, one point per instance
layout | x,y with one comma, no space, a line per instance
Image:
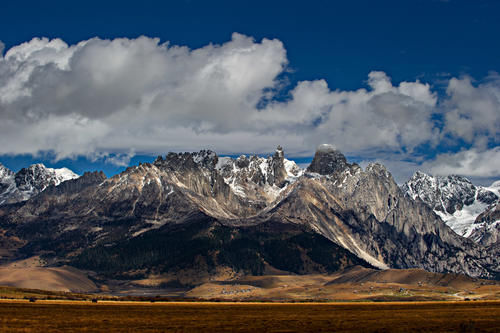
487,226
7,184
229,204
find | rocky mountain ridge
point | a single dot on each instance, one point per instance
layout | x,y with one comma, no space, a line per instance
195,213
28,182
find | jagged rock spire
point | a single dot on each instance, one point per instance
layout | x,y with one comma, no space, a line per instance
277,166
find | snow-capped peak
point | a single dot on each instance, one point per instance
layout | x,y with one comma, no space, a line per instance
454,198
30,181
38,177
4,172
64,174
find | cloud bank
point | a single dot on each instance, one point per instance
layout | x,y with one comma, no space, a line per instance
127,96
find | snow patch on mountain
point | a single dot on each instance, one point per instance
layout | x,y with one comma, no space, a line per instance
293,171
454,198
27,182
245,175
462,221
495,188
223,162
64,174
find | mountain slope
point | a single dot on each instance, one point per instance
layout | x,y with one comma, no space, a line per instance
203,245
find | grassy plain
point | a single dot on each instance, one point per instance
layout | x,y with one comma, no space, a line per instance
70,316
356,284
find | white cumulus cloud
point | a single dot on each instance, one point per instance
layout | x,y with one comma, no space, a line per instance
472,162
126,96
473,112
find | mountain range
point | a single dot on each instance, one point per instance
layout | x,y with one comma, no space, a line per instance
194,216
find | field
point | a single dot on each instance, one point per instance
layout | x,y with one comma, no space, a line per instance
68,316
353,300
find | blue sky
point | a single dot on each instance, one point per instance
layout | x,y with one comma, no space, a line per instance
412,84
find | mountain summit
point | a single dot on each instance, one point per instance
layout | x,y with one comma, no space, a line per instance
30,181
327,160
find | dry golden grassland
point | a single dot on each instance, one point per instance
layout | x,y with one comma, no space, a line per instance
70,316
357,285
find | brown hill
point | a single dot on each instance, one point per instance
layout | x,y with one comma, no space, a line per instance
47,278
415,276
